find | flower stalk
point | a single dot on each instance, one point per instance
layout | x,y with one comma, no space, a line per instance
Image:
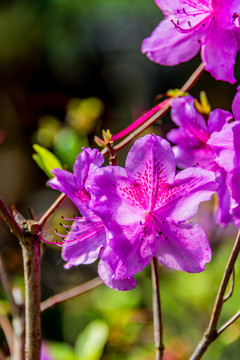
157,313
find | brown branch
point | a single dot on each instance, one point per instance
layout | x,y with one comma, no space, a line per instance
157,315
51,210
26,232
211,332
31,261
228,323
70,294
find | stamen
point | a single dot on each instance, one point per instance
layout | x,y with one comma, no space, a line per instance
49,242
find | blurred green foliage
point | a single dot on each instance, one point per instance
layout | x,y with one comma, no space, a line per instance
90,50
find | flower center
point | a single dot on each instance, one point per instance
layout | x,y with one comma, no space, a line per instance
152,225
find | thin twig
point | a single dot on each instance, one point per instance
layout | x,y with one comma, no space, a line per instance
7,330
229,295
228,323
51,210
211,332
186,87
70,294
157,314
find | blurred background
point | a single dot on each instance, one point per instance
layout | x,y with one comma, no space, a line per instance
68,69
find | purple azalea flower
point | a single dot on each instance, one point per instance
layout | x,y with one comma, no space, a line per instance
88,237
226,145
211,26
82,245
194,146
145,208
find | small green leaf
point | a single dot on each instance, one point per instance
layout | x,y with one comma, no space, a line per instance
61,351
68,144
46,160
90,343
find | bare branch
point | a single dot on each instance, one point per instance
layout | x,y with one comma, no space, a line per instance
228,323
70,294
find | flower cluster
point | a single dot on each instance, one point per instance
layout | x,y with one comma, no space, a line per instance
134,214
214,145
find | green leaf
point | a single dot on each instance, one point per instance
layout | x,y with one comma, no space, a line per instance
61,351
90,343
68,144
46,160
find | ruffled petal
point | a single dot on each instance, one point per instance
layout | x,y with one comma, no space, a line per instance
203,157
219,52
153,156
217,119
183,247
226,145
181,199
106,274
83,244
223,214
184,114
236,105
88,157
168,46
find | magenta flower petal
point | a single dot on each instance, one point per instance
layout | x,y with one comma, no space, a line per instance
153,167
174,48
217,119
226,145
183,247
219,52
84,242
106,274
223,214
236,105
235,188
